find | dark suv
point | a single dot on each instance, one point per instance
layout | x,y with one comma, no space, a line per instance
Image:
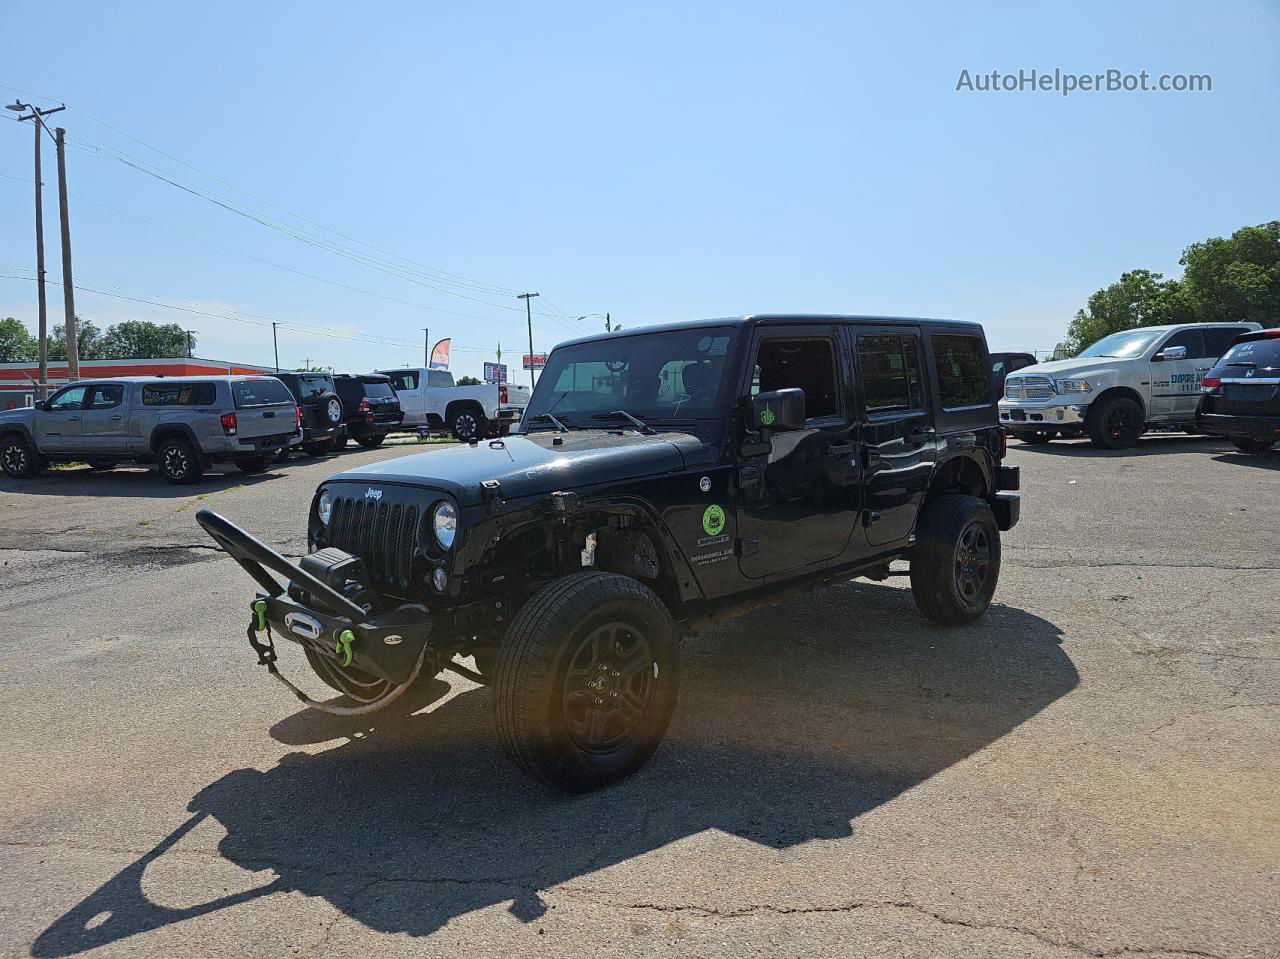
1240,396
371,409
320,411
662,479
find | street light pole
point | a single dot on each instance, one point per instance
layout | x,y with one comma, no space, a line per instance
528,312
275,343
426,347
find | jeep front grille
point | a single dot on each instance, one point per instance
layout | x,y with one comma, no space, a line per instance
1028,388
384,535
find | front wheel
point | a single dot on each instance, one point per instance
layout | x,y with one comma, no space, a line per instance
1115,423
956,561
1252,446
19,458
586,680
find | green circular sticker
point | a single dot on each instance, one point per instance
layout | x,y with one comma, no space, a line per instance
713,520
766,416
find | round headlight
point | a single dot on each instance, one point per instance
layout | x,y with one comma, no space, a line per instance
324,508
445,522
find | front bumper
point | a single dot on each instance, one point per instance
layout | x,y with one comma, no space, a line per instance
1051,415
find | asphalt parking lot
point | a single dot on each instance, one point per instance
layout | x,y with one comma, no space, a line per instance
1094,769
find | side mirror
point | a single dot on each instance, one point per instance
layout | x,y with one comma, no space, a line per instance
779,410
1171,353
41,404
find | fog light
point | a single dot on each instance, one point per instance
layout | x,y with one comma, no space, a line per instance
1060,414
439,579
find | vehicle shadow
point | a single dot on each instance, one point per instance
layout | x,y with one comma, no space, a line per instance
1266,461
131,482
1155,444
794,721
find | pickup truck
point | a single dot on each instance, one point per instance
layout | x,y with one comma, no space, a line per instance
1121,386
432,401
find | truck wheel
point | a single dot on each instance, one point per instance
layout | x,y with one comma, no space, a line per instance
1037,437
371,441
586,681
1115,423
19,458
955,563
467,424
1254,447
254,464
178,461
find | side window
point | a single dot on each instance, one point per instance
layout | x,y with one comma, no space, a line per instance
1216,341
1193,340
962,376
180,394
438,378
890,368
105,396
808,363
68,400
1021,362
405,381
311,386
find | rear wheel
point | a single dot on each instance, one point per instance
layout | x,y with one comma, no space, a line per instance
956,560
1115,423
585,681
467,423
1252,446
19,458
178,461
372,440
254,464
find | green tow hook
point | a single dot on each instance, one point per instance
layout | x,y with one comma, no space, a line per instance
260,610
343,646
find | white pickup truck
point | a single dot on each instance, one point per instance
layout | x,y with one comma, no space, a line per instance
1119,387
432,402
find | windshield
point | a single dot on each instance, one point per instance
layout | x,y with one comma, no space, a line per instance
671,375
1128,343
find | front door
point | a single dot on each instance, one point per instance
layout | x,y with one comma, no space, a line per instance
102,422
57,427
1175,383
898,444
798,492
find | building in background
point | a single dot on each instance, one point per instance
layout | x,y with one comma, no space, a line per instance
19,382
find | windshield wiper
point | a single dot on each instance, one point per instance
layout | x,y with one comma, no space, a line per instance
1243,363
560,427
637,423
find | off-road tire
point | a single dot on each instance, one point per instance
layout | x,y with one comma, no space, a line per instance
467,424
949,530
1036,437
178,461
371,442
19,458
538,684
1114,423
254,464
1252,446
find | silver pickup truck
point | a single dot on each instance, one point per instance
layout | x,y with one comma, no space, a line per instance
183,424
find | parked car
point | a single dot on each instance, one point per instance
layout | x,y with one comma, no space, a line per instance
661,479
370,407
1240,396
1002,364
321,412
182,423
431,401
1119,387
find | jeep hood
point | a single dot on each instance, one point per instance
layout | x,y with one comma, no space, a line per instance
533,464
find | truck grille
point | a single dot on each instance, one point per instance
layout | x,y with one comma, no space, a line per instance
384,535
1028,388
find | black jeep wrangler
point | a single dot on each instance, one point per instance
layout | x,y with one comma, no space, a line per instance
661,478
320,412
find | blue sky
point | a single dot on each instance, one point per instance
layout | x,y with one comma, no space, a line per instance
664,162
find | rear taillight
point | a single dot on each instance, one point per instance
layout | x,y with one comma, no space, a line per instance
229,423
297,417
1211,383
364,405
502,394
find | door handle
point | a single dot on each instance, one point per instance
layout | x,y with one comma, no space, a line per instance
840,449
73,419
118,416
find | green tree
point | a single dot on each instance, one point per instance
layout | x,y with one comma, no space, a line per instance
141,339
1234,278
17,345
467,381
88,339
1138,298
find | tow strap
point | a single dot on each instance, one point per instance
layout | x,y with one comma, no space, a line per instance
267,657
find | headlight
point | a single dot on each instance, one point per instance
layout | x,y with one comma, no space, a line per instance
445,522
324,508
1073,386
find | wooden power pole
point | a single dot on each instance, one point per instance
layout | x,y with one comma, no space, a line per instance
68,291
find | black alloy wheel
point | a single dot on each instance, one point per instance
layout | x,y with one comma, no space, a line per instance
19,460
178,462
608,687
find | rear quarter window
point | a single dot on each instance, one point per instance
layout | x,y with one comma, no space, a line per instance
379,390
263,392
313,386
179,394
1262,353
962,370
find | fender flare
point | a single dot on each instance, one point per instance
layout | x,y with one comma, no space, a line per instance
22,430
164,429
454,405
972,457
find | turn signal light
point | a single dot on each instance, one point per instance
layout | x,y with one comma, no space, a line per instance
229,423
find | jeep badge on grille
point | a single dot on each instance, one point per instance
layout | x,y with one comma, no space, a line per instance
372,493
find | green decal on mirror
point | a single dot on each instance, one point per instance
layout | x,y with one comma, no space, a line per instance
713,520
766,416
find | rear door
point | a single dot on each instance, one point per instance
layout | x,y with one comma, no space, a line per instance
103,420
58,427
264,407
898,442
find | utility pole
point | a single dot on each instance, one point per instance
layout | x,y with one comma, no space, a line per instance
68,291
426,347
189,346
608,323
275,343
38,116
528,312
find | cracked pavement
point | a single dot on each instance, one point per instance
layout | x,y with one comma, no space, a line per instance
1093,770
